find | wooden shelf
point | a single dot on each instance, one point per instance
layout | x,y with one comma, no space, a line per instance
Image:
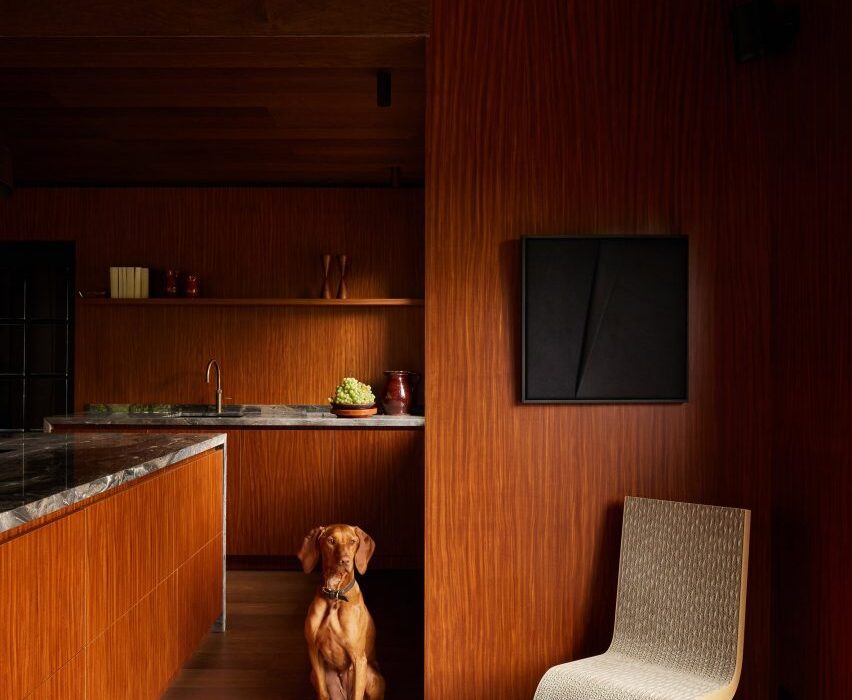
182,301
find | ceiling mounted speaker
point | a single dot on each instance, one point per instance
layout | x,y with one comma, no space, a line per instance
760,28
6,181
383,88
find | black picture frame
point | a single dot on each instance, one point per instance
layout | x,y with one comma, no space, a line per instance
621,333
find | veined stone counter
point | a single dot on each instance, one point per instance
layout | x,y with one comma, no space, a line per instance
254,416
41,474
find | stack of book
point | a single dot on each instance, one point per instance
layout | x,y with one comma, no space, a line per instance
128,282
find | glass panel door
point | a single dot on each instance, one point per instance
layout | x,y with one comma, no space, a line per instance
36,333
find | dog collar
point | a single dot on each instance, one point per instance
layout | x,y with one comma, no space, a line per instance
340,593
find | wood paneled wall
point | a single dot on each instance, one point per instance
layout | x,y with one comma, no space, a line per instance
554,117
243,242
811,108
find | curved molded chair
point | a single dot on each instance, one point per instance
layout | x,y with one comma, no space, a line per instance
680,609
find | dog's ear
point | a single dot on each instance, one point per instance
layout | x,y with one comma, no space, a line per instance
309,553
366,547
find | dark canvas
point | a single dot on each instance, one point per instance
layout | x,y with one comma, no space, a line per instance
605,319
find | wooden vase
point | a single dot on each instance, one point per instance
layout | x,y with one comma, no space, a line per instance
326,286
342,291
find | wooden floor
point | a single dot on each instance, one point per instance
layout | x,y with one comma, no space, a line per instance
262,655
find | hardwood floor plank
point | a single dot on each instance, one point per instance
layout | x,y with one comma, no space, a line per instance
263,656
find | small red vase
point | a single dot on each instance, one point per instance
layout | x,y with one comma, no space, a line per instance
191,287
397,396
170,283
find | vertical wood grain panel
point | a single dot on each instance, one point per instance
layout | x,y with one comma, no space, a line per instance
286,489
68,683
136,656
378,485
243,242
138,538
812,355
233,476
267,355
551,117
199,597
42,603
200,518
113,584
131,546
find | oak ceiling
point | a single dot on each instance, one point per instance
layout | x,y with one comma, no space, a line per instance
229,91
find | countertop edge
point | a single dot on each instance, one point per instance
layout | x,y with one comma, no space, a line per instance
320,423
29,512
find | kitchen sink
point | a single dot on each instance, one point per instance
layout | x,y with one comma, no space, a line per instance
209,411
200,410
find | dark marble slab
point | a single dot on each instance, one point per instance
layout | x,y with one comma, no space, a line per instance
40,474
254,416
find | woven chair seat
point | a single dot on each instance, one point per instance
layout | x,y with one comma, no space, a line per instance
680,609
614,676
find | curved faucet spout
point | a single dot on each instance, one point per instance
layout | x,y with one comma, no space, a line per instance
211,365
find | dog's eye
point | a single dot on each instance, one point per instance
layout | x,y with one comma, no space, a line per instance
330,540
353,542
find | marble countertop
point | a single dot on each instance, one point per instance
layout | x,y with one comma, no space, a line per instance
40,474
233,416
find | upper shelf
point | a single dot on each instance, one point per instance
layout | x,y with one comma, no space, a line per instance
201,301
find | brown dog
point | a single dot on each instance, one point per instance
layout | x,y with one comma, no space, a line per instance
340,632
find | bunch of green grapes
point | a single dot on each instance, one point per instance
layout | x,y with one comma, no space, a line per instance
351,391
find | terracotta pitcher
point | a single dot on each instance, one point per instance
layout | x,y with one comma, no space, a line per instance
398,393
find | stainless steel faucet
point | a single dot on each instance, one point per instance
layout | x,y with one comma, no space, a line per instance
210,365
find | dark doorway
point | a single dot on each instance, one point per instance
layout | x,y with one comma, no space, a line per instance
36,333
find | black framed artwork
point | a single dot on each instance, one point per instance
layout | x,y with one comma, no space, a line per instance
604,319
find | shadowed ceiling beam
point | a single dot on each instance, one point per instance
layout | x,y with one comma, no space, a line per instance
213,18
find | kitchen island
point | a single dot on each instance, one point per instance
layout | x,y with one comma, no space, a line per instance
111,560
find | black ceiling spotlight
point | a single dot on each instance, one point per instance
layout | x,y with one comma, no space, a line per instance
6,180
383,88
761,27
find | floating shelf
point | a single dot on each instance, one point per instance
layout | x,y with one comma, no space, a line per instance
201,301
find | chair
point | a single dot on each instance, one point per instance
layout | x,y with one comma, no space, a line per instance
680,609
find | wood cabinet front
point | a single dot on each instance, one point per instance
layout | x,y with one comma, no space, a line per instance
108,600
293,480
283,482
285,489
42,603
378,485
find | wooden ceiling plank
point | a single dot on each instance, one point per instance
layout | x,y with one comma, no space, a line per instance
296,110
315,120
119,174
18,129
214,18
222,52
224,80
339,150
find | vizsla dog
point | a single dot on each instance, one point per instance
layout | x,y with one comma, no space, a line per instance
340,632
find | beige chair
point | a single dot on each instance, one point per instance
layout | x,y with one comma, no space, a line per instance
679,613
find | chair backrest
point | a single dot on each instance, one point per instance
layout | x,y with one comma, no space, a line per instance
682,586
